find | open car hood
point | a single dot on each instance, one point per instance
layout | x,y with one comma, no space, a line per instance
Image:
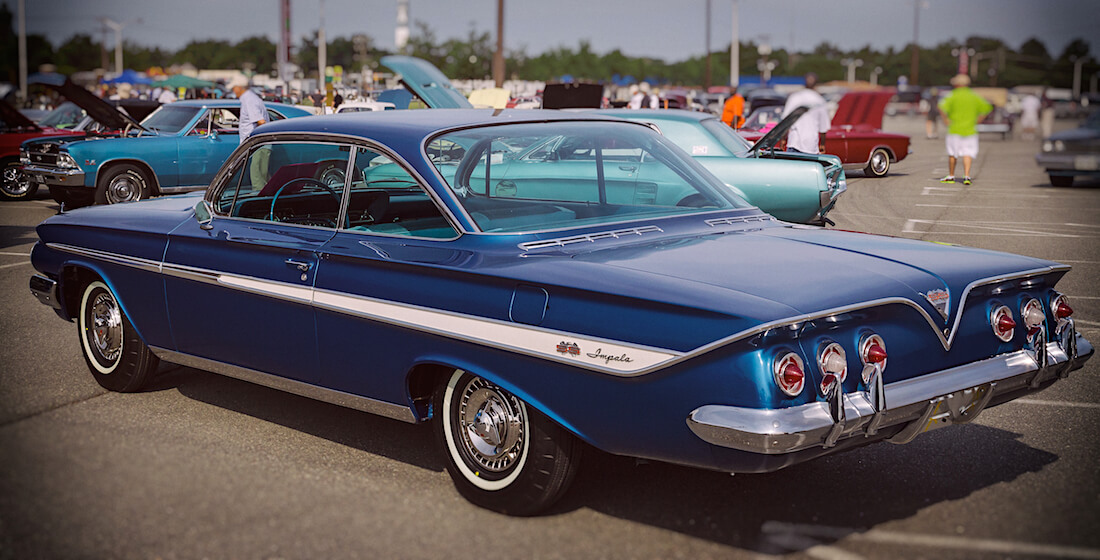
862,108
97,108
769,140
13,119
427,82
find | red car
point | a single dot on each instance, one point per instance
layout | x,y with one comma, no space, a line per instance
856,135
16,129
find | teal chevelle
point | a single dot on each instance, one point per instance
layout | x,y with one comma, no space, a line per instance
177,148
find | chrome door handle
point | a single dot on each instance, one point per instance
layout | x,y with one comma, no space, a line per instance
300,265
627,167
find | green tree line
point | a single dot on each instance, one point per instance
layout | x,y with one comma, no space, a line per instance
464,58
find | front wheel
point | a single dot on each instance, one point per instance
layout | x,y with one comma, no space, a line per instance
879,163
122,183
117,357
501,454
14,184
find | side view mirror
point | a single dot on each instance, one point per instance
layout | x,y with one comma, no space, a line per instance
204,214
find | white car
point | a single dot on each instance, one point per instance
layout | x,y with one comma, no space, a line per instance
363,105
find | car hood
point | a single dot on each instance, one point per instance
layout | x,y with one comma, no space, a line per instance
97,108
1076,135
427,82
13,119
864,108
778,272
779,131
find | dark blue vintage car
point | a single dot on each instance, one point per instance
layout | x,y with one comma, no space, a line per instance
178,148
381,262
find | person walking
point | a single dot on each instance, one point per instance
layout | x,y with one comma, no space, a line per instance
253,111
807,135
961,110
733,112
1029,115
931,120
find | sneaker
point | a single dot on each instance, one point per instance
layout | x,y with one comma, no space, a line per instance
948,179
966,180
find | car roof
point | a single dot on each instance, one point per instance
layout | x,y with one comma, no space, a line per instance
419,122
657,114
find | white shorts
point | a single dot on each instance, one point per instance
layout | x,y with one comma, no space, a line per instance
962,146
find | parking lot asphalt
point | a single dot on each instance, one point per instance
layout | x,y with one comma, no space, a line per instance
202,466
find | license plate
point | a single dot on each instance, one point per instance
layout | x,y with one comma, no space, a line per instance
1086,163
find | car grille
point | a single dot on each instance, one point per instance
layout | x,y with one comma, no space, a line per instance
43,154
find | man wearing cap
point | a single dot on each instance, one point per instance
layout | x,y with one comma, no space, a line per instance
961,111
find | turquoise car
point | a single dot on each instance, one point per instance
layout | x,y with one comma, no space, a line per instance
177,148
793,187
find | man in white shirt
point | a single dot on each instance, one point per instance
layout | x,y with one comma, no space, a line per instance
253,111
807,135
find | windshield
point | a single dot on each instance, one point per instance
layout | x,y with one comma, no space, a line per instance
537,177
170,119
66,115
726,136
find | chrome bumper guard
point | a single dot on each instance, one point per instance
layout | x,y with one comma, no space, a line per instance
45,290
952,396
55,176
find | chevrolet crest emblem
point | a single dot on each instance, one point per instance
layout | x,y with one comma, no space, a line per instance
940,300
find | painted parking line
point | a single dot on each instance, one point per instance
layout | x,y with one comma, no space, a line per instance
991,228
14,254
952,191
784,531
14,264
961,206
1037,402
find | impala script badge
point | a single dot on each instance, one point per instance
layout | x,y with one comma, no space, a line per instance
939,300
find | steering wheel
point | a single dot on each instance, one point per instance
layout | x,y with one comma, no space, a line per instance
308,181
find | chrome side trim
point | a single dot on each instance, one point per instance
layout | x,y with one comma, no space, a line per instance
331,396
592,237
597,354
923,403
182,189
115,258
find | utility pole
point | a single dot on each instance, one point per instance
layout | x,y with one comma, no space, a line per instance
322,46
117,27
498,54
22,49
914,61
735,51
706,77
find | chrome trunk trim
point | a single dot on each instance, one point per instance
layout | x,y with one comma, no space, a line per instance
331,396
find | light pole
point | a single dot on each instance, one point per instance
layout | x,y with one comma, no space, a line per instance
322,50
22,50
117,27
735,50
852,64
498,54
764,65
914,62
964,55
874,75
1078,62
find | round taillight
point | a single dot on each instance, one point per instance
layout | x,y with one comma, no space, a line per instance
833,364
1002,322
1033,315
1060,307
789,374
872,350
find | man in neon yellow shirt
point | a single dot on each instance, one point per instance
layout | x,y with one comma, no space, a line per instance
962,110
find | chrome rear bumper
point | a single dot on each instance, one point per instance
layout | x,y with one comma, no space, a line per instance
953,396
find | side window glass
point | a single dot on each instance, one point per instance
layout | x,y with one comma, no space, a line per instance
386,199
202,126
293,182
228,195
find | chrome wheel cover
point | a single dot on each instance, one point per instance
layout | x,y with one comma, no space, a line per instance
124,187
105,332
333,177
491,425
880,162
14,182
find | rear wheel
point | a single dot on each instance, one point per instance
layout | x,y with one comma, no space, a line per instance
117,357
1061,180
878,165
14,184
122,183
501,454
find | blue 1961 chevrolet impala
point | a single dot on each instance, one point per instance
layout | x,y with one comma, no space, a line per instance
381,262
177,148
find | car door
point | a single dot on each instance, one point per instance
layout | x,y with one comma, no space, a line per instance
378,275
205,147
239,288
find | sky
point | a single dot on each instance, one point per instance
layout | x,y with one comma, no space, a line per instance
668,30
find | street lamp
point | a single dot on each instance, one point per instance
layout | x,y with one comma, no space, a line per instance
874,75
1078,62
117,27
964,55
763,64
852,64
